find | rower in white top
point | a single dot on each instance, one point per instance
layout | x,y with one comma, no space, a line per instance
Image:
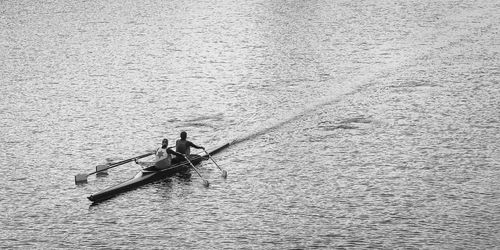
163,156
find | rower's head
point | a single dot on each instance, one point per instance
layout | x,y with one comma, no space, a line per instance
164,143
183,135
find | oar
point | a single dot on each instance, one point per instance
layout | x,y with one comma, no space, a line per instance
224,173
205,182
82,178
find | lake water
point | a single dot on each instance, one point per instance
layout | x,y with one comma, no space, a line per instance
354,124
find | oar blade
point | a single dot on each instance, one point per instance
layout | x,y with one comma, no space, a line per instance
206,183
224,174
81,178
101,170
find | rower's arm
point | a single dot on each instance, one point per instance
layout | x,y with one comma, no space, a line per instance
196,146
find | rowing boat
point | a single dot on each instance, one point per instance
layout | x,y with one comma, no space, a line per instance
149,175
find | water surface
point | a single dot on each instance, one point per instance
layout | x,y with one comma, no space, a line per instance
367,124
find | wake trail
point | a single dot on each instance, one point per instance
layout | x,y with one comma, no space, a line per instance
442,39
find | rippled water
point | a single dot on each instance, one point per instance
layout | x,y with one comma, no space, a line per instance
355,124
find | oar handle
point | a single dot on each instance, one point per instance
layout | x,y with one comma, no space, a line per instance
82,178
116,164
130,160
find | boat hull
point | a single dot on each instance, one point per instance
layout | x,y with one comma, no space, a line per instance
148,175
144,177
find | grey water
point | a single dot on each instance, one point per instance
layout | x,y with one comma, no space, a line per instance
354,124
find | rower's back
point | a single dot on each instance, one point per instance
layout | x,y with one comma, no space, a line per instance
182,146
